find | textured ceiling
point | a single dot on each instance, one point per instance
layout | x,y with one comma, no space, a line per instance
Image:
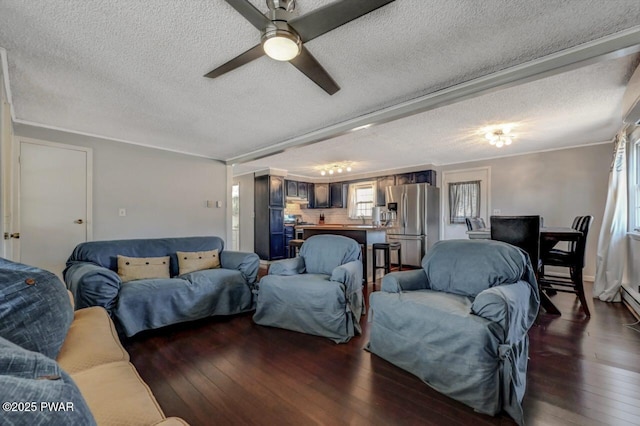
133,71
570,109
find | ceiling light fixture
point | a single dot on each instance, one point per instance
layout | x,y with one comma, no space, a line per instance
335,168
279,40
500,137
281,44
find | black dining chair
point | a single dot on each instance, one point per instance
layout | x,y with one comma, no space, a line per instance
573,259
520,231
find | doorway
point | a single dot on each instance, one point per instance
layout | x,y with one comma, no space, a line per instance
235,217
450,231
54,202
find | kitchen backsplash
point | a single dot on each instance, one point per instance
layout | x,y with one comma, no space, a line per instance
331,216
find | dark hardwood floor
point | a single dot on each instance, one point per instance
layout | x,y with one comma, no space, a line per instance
230,371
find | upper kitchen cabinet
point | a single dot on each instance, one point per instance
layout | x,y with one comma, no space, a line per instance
381,184
276,191
405,178
311,196
291,188
336,192
321,195
303,190
424,176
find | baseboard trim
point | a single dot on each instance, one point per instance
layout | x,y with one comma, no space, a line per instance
631,300
590,278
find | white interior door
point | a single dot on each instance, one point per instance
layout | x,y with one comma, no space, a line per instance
452,231
54,202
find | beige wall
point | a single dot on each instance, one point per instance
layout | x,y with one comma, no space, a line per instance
164,193
557,185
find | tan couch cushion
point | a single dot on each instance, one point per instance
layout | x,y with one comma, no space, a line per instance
191,261
92,340
172,421
140,268
116,395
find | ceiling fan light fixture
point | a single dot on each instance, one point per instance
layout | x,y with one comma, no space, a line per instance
281,45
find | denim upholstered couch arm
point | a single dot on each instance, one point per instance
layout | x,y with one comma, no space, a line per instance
293,266
247,263
395,282
507,305
350,274
92,285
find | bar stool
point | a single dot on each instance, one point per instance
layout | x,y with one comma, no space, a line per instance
386,248
294,247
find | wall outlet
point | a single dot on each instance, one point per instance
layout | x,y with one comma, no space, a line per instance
122,212
497,211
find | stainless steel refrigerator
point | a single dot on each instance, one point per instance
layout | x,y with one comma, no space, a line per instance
416,221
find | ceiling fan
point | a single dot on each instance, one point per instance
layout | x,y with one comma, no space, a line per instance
283,36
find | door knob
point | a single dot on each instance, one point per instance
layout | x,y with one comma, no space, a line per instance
79,221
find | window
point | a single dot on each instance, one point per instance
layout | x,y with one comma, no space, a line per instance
464,200
362,198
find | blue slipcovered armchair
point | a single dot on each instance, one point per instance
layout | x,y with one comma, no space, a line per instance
319,292
460,324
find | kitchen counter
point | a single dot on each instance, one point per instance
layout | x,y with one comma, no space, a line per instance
338,226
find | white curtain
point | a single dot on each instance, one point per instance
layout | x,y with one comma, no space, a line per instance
464,200
612,243
352,209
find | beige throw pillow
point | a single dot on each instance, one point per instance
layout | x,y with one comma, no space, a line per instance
140,268
191,261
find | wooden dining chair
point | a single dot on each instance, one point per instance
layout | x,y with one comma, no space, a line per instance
520,231
573,259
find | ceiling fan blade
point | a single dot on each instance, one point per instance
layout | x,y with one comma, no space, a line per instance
250,12
326,18
254,53
310,67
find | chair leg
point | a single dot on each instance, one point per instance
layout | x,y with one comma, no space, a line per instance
577,276
399,259
387,261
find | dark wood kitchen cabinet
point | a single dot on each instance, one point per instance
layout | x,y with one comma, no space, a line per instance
381,186
276,191
311,196
269,217
424,176
321,195
405,178
291,188
336,192
303,190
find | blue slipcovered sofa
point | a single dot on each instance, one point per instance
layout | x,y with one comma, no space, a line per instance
92,276
460,323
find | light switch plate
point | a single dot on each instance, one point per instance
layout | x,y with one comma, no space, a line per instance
122,212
